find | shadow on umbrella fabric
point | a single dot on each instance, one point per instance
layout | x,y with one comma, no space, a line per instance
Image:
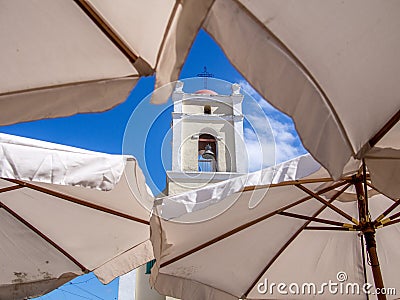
304,234
68,211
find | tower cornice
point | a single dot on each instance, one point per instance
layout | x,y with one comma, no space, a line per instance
206,118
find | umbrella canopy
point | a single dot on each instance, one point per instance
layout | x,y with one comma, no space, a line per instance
335,62
296,227
60,58
65,212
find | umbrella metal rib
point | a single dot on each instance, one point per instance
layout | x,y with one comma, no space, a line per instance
256,221
78,201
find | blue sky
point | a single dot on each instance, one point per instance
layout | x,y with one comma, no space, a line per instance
104,132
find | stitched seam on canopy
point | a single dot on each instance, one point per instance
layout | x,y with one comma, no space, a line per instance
168,28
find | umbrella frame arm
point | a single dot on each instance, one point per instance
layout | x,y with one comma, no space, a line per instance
21,184
295,235
329,228
385,129
256,221
378,136
44,237
61,196
139,63
327,203
382,220
345,226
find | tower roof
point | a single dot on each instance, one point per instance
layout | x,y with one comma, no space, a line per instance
206,92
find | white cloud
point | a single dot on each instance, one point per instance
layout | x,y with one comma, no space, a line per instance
263,152
257,154
269,135
249,134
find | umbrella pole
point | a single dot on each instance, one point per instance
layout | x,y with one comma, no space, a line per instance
373,256
368,229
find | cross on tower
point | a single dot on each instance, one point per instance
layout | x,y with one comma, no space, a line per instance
205,75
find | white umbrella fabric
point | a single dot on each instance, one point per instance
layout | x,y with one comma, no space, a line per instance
297,227
65,212
335,62
60,58
338,58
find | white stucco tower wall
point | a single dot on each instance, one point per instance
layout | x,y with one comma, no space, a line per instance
190,121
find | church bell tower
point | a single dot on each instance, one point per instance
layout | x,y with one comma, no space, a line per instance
207,147
207,138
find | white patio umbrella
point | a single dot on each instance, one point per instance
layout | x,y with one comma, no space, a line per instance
66,211
330,65
59,58
296,227
334,61
337,57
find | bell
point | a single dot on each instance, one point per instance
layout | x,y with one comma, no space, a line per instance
208,154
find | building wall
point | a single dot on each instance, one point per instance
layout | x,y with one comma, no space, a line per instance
221,129
177,185
197,106
143,290
127,286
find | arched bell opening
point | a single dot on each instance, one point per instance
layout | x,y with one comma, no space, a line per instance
207,153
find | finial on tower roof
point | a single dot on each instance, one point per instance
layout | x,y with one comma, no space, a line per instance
205,75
